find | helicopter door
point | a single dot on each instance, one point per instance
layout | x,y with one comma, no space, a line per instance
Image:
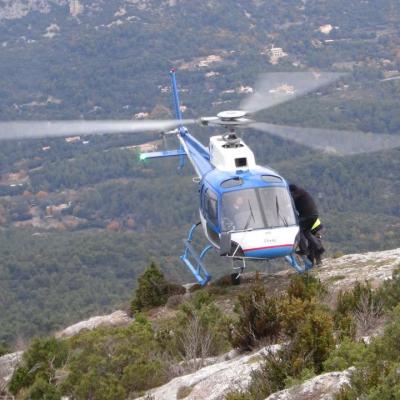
210,212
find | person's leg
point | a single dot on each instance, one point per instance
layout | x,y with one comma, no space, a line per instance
319,248
312,249
305,227
303,244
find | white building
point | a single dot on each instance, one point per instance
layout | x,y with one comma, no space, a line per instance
75,7
276,53
326,29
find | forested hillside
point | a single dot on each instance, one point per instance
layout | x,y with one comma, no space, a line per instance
81,219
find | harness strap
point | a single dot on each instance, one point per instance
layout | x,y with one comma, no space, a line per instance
317,223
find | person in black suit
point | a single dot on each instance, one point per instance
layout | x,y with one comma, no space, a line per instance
310,224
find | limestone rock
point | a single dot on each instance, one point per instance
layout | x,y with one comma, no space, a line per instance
117,318
345,271
322,387
8,363
214,381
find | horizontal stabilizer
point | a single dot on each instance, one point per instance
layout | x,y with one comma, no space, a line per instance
162,154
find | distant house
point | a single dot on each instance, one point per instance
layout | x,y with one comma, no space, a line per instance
275,54
141,115
151,146
209,60
73,139
244,89
57,209
75,8
325,29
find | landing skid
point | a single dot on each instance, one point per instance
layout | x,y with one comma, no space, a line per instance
193,260
293,260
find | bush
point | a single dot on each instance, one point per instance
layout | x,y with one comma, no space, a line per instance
174,302
202,327
270,377
4,349
199,330
153,290
40,361
114,363
43,390
259,318
354,305
389,292
376,376
347,354
312,342
305,287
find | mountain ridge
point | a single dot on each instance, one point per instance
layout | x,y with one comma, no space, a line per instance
233,370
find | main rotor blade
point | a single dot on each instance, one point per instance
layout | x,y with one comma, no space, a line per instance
40,129
332,141
275,88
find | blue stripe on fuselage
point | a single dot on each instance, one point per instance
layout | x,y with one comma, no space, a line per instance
269,252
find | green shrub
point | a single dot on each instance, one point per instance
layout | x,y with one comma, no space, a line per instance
113,363
347,354
305,374
305,287
238,395
43,390
198,330
293,311
40,361
389,292
4,349
258,318
153,290
349,302
202,326
377,372
21,378
309,330
312,342
271,376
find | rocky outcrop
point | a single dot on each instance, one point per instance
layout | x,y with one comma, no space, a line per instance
8,363
117,318
322,387
214,381
345,271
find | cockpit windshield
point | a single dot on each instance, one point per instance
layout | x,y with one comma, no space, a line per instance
259,208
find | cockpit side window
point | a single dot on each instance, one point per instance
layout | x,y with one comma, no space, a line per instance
211,206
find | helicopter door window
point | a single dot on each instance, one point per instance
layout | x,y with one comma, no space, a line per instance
211,206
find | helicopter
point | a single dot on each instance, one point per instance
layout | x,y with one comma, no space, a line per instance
246,211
